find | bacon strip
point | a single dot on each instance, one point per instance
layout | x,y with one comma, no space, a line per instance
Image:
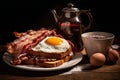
22,43
35,41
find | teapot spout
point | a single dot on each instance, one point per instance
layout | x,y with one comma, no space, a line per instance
56,17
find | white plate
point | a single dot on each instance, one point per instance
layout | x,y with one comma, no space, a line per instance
75,60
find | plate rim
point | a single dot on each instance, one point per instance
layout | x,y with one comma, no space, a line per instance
74,61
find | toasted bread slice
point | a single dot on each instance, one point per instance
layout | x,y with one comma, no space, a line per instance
47,62
51,63
55,63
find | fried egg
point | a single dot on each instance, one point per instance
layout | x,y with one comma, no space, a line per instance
52,44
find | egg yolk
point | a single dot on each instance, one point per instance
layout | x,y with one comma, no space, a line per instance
54,41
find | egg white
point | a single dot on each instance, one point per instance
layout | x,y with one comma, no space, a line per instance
44,47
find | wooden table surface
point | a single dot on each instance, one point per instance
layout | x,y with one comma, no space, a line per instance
81,71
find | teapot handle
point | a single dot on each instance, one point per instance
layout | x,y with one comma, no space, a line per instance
87,12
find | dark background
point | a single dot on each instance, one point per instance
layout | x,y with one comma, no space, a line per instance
21,16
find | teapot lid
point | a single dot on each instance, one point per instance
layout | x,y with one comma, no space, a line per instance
70,8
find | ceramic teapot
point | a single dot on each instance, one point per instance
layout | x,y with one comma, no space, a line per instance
70,25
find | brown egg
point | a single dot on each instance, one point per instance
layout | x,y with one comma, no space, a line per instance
113,55
97,59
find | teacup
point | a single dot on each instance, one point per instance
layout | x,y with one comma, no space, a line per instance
97,41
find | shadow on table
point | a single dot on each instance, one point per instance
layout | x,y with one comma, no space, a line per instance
85,64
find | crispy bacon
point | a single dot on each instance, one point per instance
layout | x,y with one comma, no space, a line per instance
30,38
